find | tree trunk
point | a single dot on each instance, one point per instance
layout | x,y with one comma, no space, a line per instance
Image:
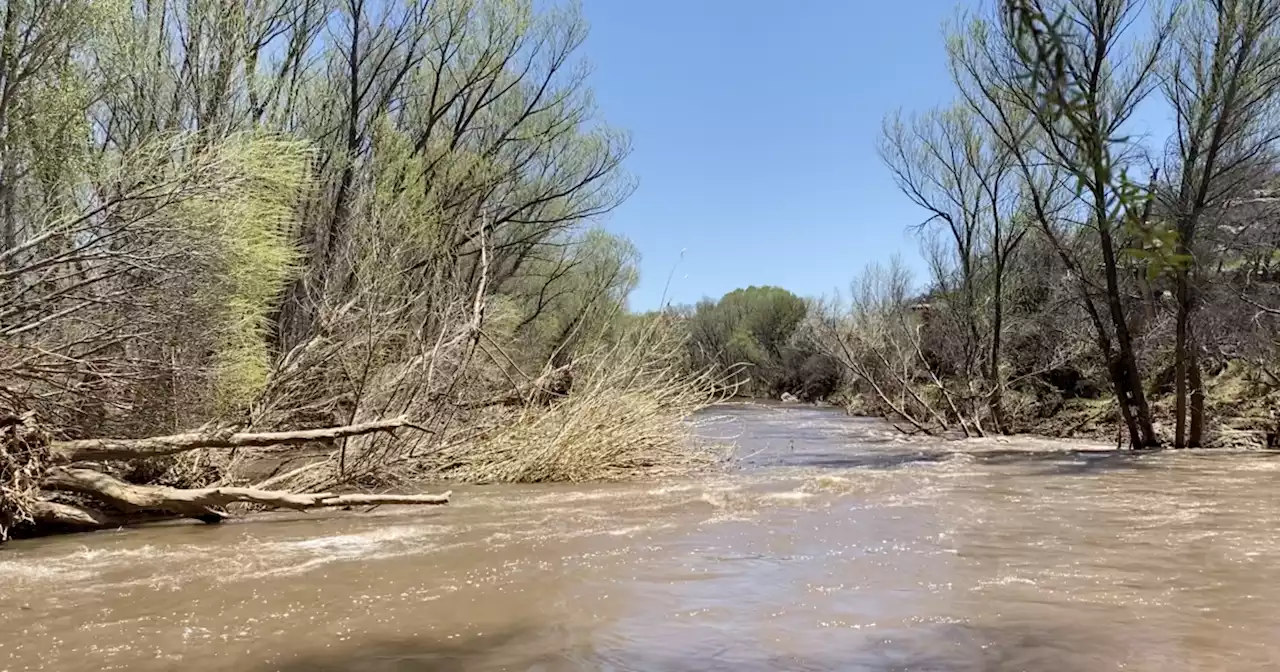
1121,381
1126,369
972,370
996,400
1120,384
1180,364
1188,381
158,446
76,517
1195,438
206,503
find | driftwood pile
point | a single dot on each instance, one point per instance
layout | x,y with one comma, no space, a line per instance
34,468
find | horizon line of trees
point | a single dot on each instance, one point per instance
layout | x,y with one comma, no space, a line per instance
298,212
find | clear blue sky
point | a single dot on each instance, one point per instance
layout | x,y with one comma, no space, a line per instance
754,126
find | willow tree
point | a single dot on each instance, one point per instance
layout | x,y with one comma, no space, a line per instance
204,66
450,144
180,268
570,296
1223,83
248,225
44,90
1057,83
491,105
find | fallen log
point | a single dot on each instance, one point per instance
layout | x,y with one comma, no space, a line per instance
157,446
206,503
58,517
33,466
66,515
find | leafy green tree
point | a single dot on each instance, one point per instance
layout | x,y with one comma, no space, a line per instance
751,332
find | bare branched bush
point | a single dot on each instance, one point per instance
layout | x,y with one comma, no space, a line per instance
876,337
627,413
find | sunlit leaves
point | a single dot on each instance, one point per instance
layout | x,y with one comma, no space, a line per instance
244,211
752,327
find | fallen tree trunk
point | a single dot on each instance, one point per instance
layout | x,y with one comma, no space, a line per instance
206,503
32,466
360,499
158,446
66,515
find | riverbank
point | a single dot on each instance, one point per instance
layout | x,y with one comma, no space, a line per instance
619,413
1240,411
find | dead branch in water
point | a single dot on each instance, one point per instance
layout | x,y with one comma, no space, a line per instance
206,503
157,446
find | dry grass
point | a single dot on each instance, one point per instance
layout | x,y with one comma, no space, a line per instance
626,416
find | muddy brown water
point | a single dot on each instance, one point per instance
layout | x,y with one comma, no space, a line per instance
837,546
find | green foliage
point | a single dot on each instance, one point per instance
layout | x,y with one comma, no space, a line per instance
1158,250
358,186
753,331
250,220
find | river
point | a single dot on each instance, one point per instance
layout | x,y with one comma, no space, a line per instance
837,545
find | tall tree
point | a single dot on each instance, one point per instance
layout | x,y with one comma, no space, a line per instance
1222,81
1076,72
